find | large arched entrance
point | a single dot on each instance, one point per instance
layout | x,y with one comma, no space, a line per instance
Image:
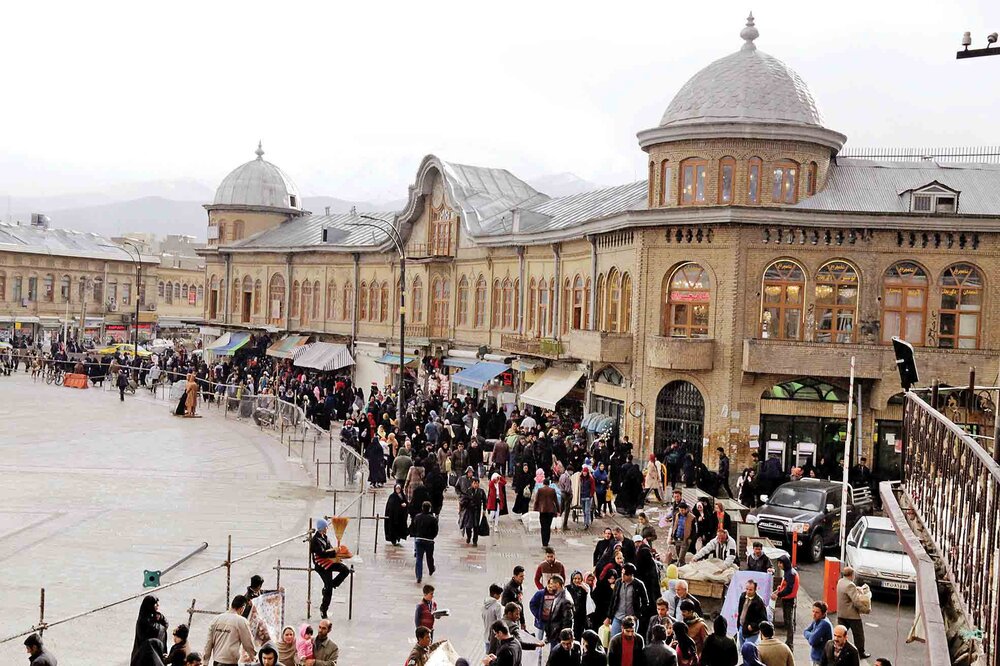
680,417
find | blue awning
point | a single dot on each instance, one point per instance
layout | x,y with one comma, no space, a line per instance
459,362
393,359
236,340
480,374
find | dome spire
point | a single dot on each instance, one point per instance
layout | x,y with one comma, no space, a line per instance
259,152
749,33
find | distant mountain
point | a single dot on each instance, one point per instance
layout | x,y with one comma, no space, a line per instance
147,214
319,204
562,184
175,190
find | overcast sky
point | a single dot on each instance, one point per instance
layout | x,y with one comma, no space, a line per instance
348,96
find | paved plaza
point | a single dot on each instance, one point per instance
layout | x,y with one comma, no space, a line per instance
97,490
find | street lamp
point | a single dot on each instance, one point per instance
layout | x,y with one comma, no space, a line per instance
137,261
392,234
966,52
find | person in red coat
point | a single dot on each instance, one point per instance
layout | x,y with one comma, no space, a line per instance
496,498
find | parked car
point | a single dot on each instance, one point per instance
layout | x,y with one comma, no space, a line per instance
124,348
810,508
877,556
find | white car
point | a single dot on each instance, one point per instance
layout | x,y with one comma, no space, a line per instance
877,556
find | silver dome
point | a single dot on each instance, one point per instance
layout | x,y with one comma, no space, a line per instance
258,183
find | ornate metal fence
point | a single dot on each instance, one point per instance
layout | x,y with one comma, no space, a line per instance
954,484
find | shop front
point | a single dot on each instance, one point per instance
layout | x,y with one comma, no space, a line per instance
116,333
557,388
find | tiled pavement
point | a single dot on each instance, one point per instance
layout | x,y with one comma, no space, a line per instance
96,491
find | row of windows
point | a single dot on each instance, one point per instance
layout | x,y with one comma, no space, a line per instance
781,185
904,299
170,292
47,290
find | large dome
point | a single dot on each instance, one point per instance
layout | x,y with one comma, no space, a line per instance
746,94
258,183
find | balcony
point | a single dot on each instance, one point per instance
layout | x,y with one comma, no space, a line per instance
424,250
680,353
531,345
822,359
600,347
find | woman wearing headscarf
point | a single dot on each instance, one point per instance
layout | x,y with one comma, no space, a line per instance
149,653
191,389
751,655
684,645
522,481
150,623
579,591
376,463
720,648
286,647
593,651
496,498
179,650
395,516
414,479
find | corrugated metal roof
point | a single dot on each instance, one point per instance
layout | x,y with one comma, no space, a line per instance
487,195
871,186
62,242
343,229
578,208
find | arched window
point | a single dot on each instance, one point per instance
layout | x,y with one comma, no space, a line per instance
811,179
517,303
418,300
665,183
296,295
961,306
373,306
610,375
200,298
256,296
169,292
651,182
614,301
3,287
439,308
727,179
245,304
781,301
806,388
177,291
507,305
384,302
160,288
237,230
625,321
49,288
586,305
532,305
480,318
904,303
304,311
496,317
785,187
542,316
276,298
64,288
462,306
347,302
317,299
688,298
566,303
836,294
331,300
602,306
363,302
753,180
577,308
694,178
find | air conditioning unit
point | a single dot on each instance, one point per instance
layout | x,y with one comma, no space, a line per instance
151,307
112,307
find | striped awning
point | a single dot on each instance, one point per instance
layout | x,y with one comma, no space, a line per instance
325,356
287,347
459,362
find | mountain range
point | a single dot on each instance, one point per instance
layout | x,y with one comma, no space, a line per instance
176,206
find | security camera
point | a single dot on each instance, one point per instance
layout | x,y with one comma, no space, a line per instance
991,38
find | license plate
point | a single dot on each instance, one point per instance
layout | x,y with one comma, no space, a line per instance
895,586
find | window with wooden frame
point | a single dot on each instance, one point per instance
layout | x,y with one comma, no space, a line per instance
441,296
754,168
418,301
257,296
904,303
585,322
65,287
507,305
517,304
497,316
577,318
836,294
961,307
614,300
542,317
317,300
727,179
304,310
331,300
276,298
602,306
347,302
811,179
532,305
362,301
664,183
566,303
687,301
441,223
373,295
694,177
785,184
625,321
651,181
781,301
480,303
462,305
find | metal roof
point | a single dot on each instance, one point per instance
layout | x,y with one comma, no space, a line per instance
486,195
872,186
342,230
63,243
578,208
258,183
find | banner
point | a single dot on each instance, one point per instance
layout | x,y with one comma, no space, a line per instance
736,587
265,621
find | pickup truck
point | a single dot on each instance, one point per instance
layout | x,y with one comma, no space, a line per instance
810,507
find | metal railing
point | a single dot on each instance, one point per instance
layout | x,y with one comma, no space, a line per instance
954,486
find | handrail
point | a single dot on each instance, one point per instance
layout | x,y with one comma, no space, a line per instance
984,457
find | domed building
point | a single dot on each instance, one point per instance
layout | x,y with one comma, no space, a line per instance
717,304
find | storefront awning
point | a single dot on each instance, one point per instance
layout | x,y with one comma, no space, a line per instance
50,322
231,342
393,359
526,364
324,356
459,362
480,374
287,346
551,387
26,320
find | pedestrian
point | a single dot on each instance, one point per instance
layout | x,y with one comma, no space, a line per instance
122,383
588,490
492,611
567,652
653,479
786,594
720,648
522,488
472,507
772,651
396,515
496,499
150,623
883,661
681,532
286,647
326,561
593,650
229,632
37,654
191,390
179,650
629,599
839,652
513,592
325,651
580,594
751,655
552,609
254,590
304,642
819,632
657,652
547,568
684,646
508,648
419,653
697,628
660,619
722,547
681,594
426,611
424,530
757,560
547,506
850,608
626,647
193,659
751,611
150,653
723,472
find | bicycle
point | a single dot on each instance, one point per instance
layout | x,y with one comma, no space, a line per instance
54,375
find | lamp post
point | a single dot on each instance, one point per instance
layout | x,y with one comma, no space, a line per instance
392,234
137,261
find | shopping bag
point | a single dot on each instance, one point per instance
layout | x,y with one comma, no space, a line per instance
604,633
484,526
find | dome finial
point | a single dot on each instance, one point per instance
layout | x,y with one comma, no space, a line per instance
749,33
259,151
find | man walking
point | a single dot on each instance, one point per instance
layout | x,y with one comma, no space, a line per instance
547,506
724,471
37,655
751,612
513,592
326,560
552,609
227,634
549,567
772,651
418,655
629,599
849,609
839,652
424,530
786,595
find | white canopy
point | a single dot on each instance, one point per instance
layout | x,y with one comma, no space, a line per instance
551,387
322,356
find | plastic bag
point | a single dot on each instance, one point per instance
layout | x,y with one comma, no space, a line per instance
604,633
864,600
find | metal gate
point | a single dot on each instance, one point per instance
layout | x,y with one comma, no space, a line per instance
680,417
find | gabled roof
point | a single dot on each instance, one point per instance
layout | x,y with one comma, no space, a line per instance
343,230
569,211
872,186
62,243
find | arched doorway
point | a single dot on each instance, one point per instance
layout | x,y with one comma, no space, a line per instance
680,417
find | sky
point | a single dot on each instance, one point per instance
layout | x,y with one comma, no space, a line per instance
347,97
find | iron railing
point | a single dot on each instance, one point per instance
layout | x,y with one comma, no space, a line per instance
954,485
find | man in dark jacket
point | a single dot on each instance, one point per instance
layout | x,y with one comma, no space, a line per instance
552,609
508,649
547,506
751,612
424,529
326,561
626,648
567,652
645,570
628,600
657,652
513,592
37,654
838,652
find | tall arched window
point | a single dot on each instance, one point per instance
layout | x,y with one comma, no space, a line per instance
363,301
257,296
625,321
384,302
507,305
781,301
245,304
567,306
496,317
442,300
961,306
177,291
237,230
3,287
296,296
753,180
49,288
160,288
462,305
688,298
64,288
694,180
517,304
651,182
836,294
169,292
811,179
418,300
665,183
727,179
480,319
602,306
347,302
904,303
577,317
586,305
614,301
373,295
331,300
276,299
316,300
542,316
199,297
532,305
785,187
304,310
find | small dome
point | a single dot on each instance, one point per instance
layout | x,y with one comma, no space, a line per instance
258,183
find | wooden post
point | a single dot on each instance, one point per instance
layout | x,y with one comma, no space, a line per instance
191,613
41,613
229,567
309,578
